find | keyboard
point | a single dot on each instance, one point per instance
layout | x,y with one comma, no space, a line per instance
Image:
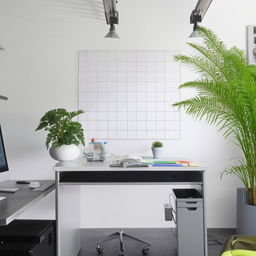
44,186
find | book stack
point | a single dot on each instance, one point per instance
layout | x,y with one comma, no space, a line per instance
171,163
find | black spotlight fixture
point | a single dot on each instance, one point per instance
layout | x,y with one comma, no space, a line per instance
112,17
195,32
197,15
112,33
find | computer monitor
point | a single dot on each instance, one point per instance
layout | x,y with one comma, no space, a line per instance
3,159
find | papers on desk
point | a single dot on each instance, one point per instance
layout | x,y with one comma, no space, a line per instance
128,163
134,161
171,163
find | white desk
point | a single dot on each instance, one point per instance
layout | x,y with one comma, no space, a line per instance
70,175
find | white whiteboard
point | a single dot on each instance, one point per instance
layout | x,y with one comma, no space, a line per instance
128,94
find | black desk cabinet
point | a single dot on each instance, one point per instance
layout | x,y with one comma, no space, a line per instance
28,238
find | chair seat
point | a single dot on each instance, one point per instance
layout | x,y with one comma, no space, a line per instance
238,245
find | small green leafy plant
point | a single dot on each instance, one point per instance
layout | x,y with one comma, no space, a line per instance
157,144
60,127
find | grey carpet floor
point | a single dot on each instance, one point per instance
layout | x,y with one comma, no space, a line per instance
163,241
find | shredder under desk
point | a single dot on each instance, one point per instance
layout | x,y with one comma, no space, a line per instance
70,175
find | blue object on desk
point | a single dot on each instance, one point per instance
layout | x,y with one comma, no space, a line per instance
168,165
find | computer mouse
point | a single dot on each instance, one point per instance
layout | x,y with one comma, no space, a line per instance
22,182
34,184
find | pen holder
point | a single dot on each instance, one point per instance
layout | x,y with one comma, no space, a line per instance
95,152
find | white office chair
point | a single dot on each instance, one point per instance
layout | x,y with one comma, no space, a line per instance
121,234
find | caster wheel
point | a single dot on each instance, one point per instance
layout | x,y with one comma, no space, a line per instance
99,250
145,251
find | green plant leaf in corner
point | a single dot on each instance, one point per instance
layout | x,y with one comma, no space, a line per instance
226,98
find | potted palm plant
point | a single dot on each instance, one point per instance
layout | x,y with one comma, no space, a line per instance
64,135
227,98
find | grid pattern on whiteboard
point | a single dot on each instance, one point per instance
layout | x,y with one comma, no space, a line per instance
128,94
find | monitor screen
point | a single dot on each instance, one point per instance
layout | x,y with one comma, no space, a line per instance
3,160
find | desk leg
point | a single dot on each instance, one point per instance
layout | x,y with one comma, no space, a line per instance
67,219
204,211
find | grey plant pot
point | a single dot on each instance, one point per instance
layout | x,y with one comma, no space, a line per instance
246,214
157,152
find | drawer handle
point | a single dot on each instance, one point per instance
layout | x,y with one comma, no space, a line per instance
191,202
192,208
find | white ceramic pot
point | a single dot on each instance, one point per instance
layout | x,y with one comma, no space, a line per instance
157,152
65,152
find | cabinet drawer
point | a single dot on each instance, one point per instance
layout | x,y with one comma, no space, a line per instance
189,204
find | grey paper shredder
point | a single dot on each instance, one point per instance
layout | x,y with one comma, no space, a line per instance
190,222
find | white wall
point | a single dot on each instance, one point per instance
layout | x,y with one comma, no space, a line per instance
39,72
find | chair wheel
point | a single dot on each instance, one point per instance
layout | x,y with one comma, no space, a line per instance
145,251
99,250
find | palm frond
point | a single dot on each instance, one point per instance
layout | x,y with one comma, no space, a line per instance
226,98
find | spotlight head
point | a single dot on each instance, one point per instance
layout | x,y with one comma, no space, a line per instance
196,32
112,33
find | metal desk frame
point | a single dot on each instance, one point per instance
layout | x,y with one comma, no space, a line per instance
70,175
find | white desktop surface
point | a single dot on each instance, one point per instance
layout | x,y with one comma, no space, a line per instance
81,164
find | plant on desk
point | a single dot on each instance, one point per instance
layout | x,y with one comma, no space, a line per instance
157,148
227,98
64,135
